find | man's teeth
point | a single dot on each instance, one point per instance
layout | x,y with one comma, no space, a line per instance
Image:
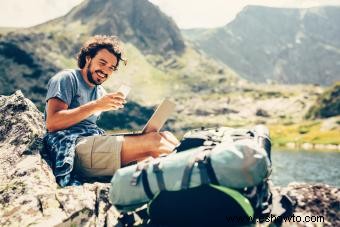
101,75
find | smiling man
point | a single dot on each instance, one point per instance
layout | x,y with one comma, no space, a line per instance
76,146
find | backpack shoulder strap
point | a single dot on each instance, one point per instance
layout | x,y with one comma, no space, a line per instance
206,170
140,173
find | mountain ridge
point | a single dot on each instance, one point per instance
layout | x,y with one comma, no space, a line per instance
265,44
138,22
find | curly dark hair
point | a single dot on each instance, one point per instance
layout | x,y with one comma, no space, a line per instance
98,42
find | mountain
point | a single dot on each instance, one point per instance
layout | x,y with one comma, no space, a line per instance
161,64
138,22
283,45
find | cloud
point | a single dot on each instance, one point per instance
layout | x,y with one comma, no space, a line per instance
213,13
18,13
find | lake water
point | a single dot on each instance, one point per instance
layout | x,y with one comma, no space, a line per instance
306,166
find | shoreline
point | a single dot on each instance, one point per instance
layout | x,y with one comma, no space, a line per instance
309,146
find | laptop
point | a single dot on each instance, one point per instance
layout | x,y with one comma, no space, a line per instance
156,121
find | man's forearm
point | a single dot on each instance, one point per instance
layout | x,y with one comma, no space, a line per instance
67,118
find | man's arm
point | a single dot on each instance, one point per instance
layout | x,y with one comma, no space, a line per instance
60,117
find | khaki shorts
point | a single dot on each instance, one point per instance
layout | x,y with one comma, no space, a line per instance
98,155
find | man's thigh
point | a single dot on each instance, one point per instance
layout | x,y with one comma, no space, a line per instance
98,155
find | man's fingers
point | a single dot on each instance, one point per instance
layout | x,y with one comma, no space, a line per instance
170,137
167,146
117,106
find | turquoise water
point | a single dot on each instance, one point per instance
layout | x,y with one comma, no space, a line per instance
306,166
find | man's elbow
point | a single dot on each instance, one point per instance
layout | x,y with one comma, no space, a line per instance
50,126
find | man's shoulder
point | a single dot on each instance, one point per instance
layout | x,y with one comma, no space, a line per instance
66,76
66,73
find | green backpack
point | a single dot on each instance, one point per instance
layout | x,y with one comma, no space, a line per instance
208,203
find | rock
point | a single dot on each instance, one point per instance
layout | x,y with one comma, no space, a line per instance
314,200
331,123
29,194
262,113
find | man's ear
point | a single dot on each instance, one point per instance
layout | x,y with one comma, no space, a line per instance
87,60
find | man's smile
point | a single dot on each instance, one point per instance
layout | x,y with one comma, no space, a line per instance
101,74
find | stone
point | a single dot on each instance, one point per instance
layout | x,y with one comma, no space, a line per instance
29,194
314,200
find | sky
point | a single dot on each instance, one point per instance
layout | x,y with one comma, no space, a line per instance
186,13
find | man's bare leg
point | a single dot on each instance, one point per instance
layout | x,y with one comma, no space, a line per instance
150,144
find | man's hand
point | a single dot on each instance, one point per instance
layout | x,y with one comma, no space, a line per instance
146,145
161,143
110,101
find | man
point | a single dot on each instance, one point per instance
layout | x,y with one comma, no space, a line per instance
76,145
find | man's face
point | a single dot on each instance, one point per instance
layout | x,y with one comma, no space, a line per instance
101,66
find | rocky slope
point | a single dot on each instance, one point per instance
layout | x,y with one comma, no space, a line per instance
277,44
21,67
29,194
327,105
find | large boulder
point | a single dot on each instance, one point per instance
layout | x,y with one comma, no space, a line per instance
29,194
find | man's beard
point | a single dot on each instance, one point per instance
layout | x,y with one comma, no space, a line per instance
90,76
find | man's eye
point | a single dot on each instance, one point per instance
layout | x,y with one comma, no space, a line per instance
113,68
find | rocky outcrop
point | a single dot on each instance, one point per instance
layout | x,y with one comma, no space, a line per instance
29,194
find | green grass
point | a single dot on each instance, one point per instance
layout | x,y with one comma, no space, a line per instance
305,132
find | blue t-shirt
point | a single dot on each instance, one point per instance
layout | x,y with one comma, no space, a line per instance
70,87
